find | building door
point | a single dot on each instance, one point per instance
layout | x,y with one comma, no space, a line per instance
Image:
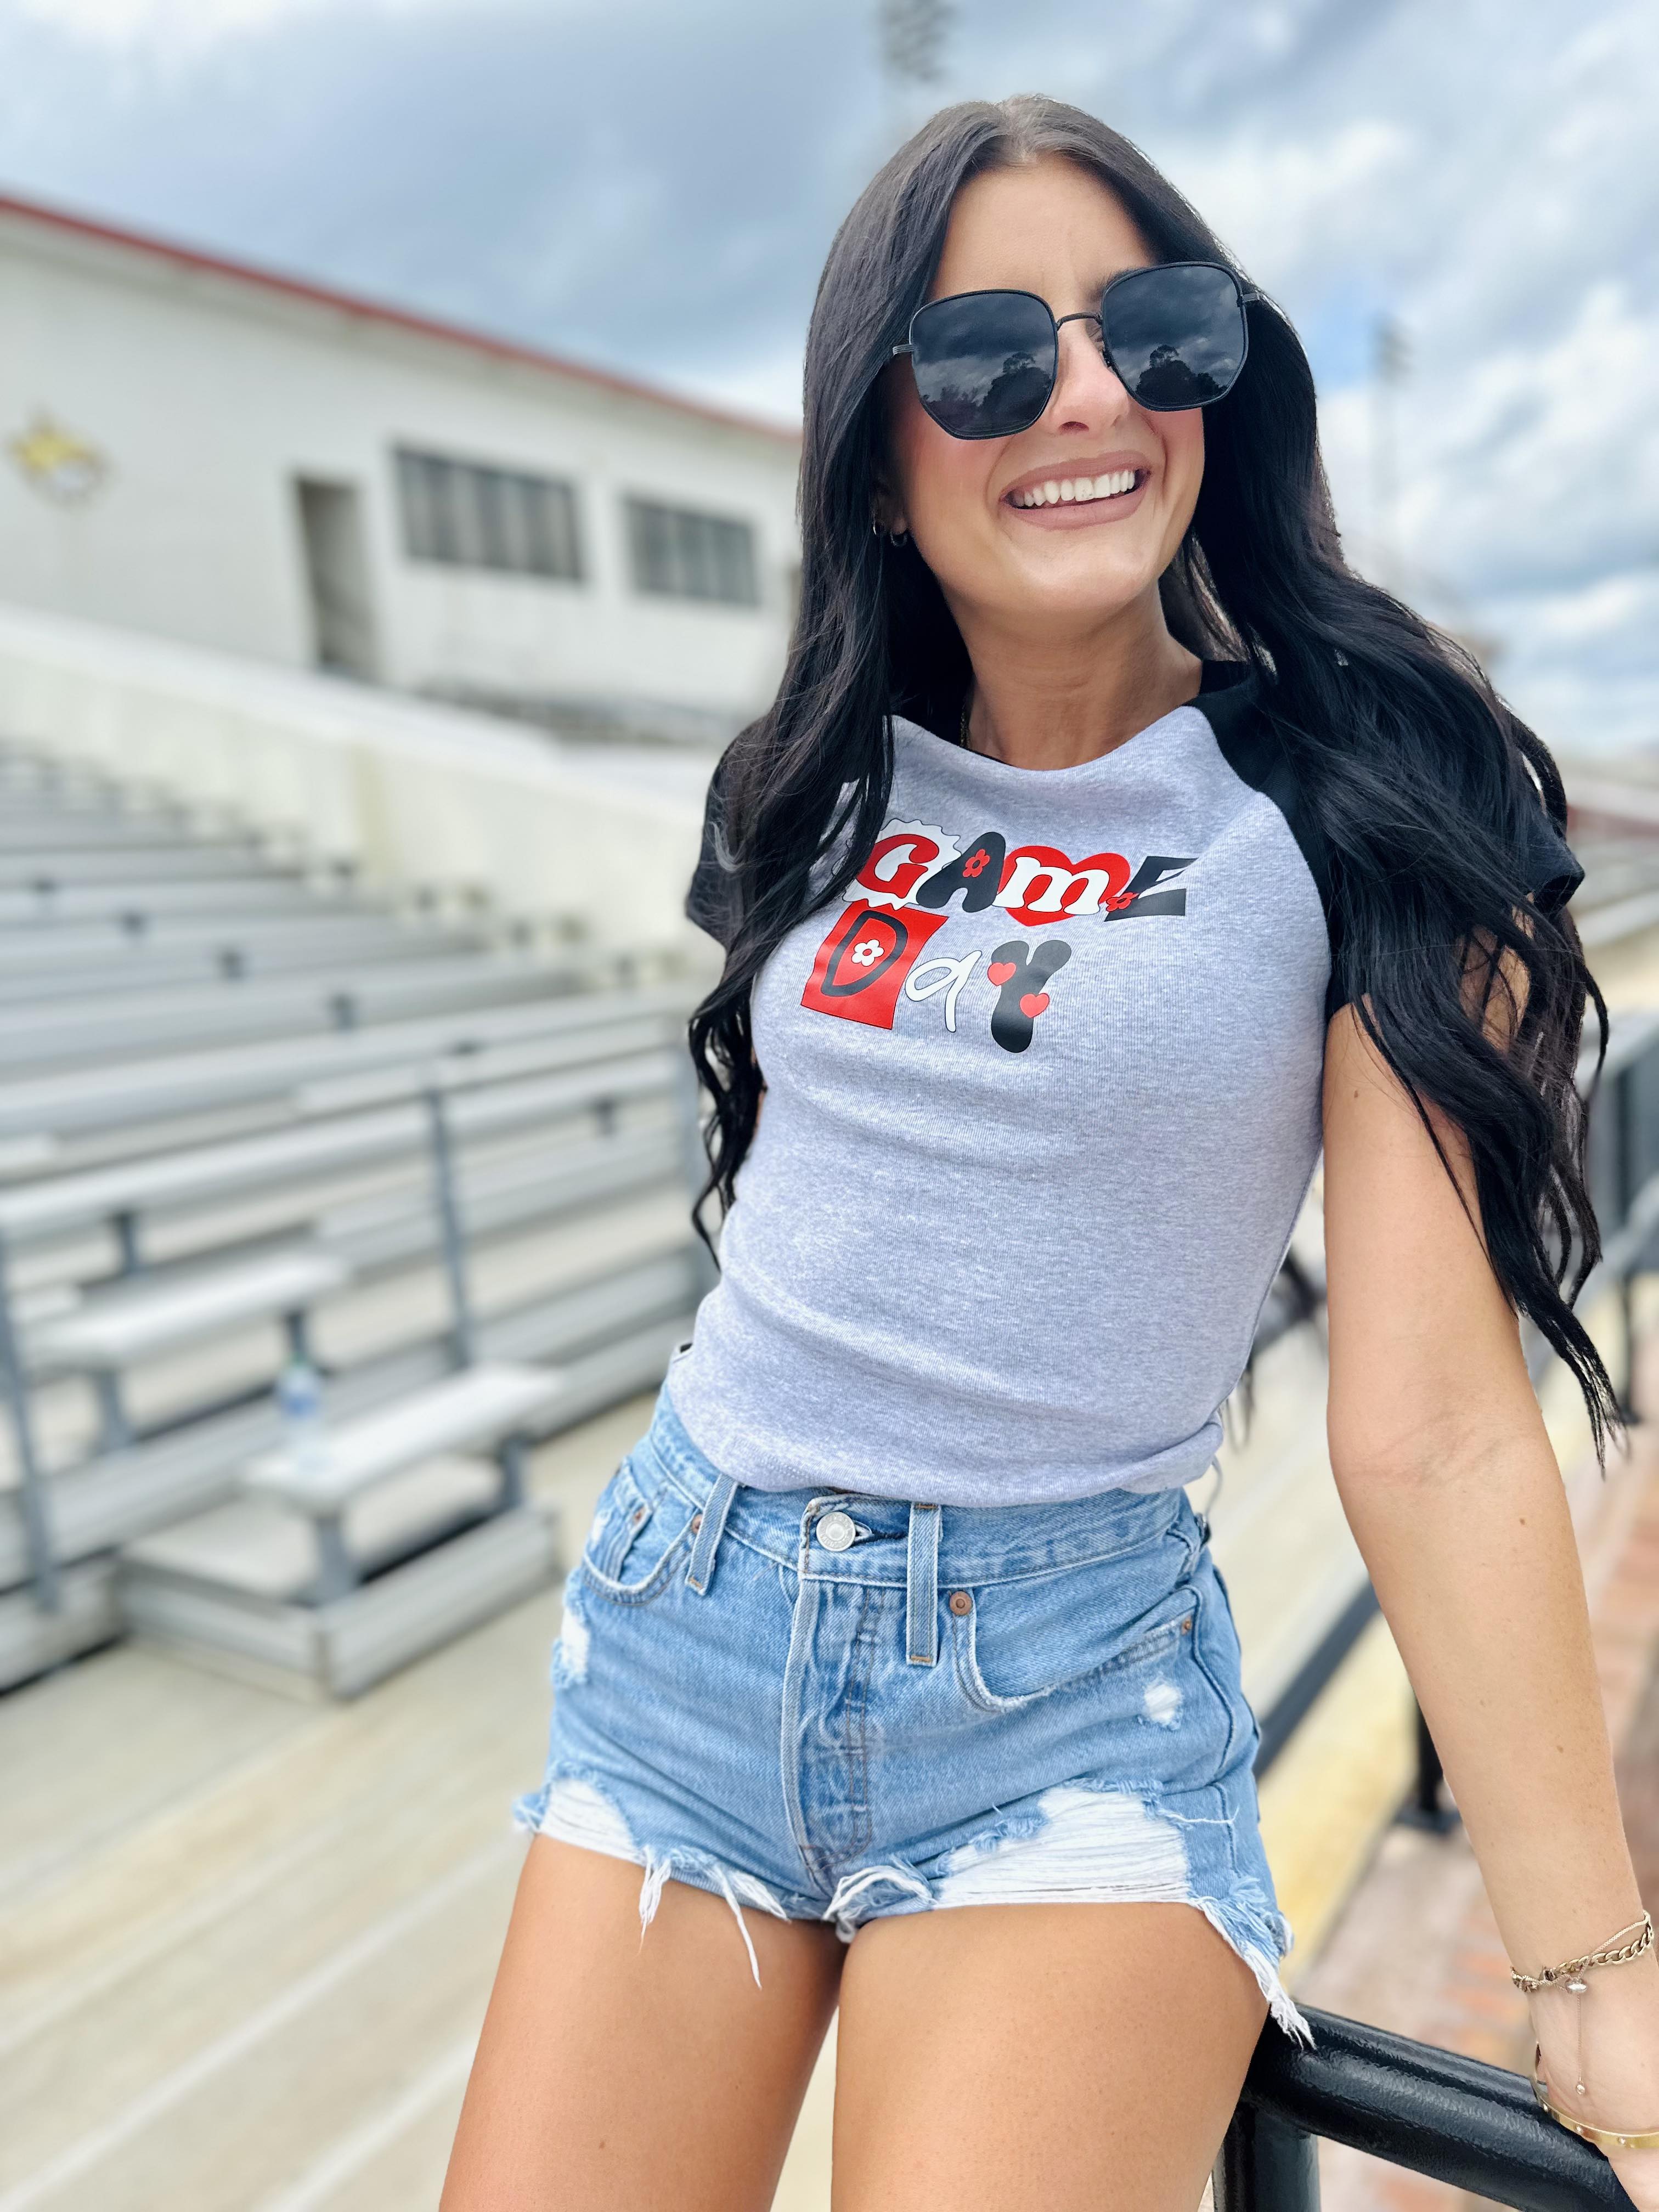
337,576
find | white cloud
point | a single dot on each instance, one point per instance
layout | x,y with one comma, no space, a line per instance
1543,465
1292,209
170,22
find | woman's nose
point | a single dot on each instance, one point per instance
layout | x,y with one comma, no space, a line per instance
1086,385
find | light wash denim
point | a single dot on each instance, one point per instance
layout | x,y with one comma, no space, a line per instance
836,1706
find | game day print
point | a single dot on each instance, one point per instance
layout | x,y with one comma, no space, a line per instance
876,950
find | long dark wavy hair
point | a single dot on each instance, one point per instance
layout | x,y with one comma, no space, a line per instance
1420,777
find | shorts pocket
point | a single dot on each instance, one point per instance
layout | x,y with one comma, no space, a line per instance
1017,1642
641,1532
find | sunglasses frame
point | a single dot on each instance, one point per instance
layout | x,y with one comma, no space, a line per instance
1246,294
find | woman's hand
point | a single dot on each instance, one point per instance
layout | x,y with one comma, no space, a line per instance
1609,2039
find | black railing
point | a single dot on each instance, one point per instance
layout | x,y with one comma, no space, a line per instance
1471,2126
1624,1172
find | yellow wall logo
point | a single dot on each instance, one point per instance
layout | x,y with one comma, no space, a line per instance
60,466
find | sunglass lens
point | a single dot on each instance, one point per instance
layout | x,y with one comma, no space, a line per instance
1176,335
984,362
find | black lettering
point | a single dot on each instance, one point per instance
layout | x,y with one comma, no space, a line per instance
1142,897
976,873
1020,975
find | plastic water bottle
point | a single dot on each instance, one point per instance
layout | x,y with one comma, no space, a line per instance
300,1403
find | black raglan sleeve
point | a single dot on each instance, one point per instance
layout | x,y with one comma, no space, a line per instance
1549,873
711,900
1552,871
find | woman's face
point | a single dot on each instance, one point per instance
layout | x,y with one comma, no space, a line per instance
1053,229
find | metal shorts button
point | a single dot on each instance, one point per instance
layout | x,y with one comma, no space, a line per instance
836,1532
961,1603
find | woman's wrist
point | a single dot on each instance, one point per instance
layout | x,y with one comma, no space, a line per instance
1599,2046
1558,1895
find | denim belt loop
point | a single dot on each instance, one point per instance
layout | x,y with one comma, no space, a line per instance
716,1507
921,1587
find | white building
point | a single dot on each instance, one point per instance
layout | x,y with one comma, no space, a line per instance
218,455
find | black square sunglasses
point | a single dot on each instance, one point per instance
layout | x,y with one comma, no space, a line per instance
985,362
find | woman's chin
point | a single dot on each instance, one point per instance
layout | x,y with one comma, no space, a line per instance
1076,577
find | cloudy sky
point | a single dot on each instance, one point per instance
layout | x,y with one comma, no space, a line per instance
653,182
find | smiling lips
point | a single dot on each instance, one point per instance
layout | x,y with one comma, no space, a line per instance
1077,491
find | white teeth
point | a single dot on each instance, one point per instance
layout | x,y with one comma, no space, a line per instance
1071,490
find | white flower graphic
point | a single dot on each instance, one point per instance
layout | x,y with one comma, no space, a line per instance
867,952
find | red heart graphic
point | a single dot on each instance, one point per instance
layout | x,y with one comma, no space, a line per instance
1034,1003
1000,970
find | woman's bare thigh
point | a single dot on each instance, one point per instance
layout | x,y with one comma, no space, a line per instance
620,2076
1038,2058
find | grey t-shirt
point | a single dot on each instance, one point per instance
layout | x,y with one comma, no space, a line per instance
1042,1102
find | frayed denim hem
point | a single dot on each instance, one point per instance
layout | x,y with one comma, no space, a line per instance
573,1809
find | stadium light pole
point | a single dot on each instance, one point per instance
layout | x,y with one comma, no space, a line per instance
1391,365
911,36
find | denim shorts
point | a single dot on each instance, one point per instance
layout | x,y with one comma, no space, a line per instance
836,1707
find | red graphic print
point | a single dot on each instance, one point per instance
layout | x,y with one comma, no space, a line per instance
898,864
863,961
1039,884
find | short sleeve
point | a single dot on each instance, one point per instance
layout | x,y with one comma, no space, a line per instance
1549,871
1552,869
711,900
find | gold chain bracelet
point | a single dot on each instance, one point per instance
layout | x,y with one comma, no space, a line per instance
1629,1943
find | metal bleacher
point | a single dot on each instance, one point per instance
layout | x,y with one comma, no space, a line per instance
249,1113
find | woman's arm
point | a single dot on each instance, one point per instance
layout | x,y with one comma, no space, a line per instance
1452,1491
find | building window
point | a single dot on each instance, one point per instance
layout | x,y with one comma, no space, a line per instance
471,517
689,556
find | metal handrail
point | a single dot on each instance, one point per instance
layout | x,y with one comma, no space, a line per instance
1473,2126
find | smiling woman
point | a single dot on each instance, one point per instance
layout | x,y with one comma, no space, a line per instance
1109,847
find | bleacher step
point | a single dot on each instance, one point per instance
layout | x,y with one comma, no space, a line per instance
259,1547
610,1335
341,1648
31,1641
470,1411
152,1089
153,1315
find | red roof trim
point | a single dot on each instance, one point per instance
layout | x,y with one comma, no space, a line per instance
375,311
